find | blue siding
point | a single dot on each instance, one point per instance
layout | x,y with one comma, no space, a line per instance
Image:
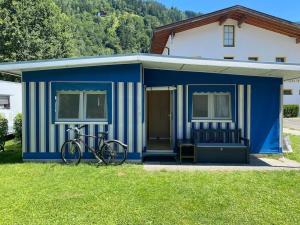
265,103
117,73
127,103
126,76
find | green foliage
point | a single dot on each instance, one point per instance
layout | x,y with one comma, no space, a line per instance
18,126
290,111
33,30
46,29
3,131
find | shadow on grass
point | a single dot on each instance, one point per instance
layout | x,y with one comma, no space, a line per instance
12,153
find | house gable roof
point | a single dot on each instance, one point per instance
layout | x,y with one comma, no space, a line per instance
239,13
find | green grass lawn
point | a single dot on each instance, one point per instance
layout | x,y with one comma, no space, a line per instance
295,155
33,193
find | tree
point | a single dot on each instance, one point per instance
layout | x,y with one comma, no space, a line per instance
33,30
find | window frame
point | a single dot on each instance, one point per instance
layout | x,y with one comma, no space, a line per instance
253,58
57,106
85,93
210,107
8,106
280,57
291,91
82,106
233,38
228,57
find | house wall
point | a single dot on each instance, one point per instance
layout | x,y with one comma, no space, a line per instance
294,85
43,138
257,105
250,41
14,90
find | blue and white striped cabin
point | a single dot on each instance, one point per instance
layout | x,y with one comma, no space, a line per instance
253,103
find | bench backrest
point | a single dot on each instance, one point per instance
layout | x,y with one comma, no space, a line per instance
217,136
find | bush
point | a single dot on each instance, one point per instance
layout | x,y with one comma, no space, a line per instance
290,111
18,126
3,131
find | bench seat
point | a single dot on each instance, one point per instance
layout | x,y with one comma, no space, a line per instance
220,146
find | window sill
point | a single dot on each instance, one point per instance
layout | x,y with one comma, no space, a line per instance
212,121
82,122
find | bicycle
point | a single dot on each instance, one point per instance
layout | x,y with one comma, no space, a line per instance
109,152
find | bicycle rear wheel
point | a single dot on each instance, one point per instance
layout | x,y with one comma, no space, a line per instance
71,152
113,152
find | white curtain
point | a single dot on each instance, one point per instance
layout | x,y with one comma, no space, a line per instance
221,106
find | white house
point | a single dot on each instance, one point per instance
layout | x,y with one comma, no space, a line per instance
235,33
10,101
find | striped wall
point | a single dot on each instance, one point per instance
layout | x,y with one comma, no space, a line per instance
243,113
43,139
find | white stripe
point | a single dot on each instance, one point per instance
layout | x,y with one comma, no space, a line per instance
24,113
42,121
52,147
130,117
120,111
92,133
281,117
32,117
188,124
205,125
241,108
223,125
249,112
232,126
61,135
111,126
139,118
179,111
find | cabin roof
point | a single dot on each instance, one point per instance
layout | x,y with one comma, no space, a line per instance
150,61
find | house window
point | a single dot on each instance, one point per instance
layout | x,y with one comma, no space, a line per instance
228,57
280,59
228,36
4,102
253,58
81,106
211,106
287,92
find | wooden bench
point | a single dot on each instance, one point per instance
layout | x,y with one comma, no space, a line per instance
220,146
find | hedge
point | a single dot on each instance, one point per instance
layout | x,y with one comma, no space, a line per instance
3,131
18,126
290,111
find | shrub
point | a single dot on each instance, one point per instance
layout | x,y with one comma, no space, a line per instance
3,131
18,126
290,111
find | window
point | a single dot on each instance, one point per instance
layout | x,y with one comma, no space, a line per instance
280,59
214,106
287,92
4,102
253,58
228,57
228,36
95,106
81,105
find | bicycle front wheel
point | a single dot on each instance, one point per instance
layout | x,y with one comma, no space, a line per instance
113,152
71,152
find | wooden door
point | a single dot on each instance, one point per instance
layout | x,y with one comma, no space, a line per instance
158,105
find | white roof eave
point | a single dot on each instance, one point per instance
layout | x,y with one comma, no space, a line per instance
285,71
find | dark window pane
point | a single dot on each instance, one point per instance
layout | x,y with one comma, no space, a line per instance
68,106
200,106
96,106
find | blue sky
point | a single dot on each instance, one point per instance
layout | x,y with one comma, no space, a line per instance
286,9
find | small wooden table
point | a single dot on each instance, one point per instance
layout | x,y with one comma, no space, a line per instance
186,150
